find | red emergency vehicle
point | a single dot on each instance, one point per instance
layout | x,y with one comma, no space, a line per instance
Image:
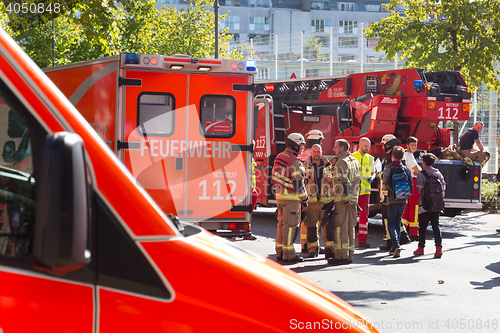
402,102
181,125
84,249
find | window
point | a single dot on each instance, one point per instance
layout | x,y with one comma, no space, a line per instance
320,5
263,73
259,3
348,27
231,22
372,43
17,183
259,23
346,6
375,7
156,114
319,25
235,38
348,42
346,57
217,116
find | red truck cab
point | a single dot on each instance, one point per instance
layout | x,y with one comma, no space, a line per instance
84,249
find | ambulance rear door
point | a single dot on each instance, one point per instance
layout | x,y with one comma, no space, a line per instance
219,175
154,132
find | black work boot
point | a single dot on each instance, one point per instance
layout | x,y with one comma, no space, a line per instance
329,253
387,246
404,238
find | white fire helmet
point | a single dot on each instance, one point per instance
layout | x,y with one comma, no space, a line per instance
297,138
315,135
386,138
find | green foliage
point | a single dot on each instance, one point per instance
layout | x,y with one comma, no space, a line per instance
489,195
88,29
460,35
313,47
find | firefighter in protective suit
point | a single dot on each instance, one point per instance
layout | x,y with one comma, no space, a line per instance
318,185
346,178
313,137
288,180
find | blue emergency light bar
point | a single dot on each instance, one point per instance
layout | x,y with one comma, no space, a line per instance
418,85
251,65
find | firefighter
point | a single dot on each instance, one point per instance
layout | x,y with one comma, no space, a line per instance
313,137
288,177
389,141
318,177
346,173
467,142
367,176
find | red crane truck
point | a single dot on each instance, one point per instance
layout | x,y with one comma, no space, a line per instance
402,102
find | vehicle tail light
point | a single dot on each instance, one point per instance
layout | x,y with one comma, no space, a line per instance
431,105
475,193
476,172
245,226
466,107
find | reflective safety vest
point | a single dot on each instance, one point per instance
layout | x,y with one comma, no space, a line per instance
287,169
324,195
366,162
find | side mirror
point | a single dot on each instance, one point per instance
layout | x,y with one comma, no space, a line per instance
62,230
9,151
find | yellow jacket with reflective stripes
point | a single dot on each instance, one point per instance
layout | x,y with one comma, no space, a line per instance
366,162
345,169
287,169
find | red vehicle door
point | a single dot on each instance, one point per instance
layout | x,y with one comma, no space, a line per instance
29,298
154,125
218,118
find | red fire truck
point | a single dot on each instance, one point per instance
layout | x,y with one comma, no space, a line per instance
402,102
181,125
83,249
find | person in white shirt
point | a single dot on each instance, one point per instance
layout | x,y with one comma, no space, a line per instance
410,216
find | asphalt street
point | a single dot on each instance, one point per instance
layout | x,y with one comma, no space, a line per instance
458,293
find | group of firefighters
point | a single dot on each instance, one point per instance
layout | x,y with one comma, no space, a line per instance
326,195
305,182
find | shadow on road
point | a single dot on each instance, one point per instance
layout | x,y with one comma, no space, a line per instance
362,299
491,283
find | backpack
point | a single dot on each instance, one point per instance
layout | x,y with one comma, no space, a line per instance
401,183
432,194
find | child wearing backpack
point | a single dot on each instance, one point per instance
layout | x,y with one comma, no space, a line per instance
431,186
397,186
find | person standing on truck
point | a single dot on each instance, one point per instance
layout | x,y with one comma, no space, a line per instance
395,205
346,178
467,142
318,187
313,137
389,141
288,179
410,216
367,176
425,217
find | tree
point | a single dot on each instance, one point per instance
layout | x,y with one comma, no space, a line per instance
461,35
88,29
312,47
